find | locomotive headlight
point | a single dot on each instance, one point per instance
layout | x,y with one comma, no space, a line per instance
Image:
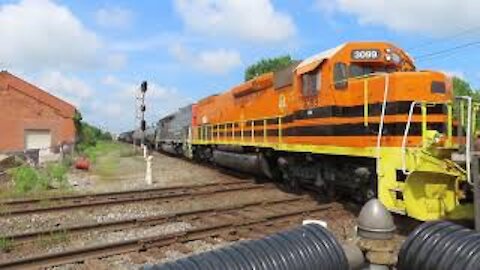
396,58
388,57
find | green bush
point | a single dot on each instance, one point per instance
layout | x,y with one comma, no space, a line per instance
27,179
57,172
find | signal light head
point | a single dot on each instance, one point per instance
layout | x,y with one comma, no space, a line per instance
144,86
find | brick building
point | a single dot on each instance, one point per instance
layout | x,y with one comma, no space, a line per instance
31,118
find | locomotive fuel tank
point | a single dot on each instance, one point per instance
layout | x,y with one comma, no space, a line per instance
254,163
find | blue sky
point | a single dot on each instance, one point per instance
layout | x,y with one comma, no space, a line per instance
95,53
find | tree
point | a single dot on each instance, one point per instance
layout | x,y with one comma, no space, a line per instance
463,88
87,135
267,65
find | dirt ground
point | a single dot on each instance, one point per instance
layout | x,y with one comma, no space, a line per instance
121,169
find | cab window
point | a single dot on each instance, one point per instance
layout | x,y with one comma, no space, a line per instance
340,75
311,83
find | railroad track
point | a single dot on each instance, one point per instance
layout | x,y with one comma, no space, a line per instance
275,218
141,222
22,207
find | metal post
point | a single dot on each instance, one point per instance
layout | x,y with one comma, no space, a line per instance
424,123
253,131
148,173
264,130
365,103
449,125
476,189
141,105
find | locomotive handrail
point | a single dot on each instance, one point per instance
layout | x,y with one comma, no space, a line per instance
449,130
468,150
382,120
202,133
424,105
405,135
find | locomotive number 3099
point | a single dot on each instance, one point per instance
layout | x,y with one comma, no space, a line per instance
365,54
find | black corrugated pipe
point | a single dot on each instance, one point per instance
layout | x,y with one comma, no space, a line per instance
309,247
440,246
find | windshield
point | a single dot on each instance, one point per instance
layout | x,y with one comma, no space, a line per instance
360,70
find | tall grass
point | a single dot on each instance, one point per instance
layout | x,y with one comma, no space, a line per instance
28,179
102,148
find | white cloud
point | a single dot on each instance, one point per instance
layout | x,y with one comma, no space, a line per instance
116,61
220,61
434,17
68,88
252,20
119,111
42,33
114,17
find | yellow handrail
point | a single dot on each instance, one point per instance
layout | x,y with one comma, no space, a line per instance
424,123
365,103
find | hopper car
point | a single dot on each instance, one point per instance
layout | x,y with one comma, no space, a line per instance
357,120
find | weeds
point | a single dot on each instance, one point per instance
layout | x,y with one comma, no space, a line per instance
57,172
28,179
5,244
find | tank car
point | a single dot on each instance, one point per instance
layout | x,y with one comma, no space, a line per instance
357,120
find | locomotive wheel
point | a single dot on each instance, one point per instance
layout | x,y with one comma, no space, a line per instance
368,192
291,184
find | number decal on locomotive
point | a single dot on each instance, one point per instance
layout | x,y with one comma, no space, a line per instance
365,54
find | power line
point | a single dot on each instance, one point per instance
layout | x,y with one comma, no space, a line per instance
445,38
449,50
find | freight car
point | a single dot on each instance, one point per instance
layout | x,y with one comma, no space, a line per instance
356,120
126,137
150,135
173,132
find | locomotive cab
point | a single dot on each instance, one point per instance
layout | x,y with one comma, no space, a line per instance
402,117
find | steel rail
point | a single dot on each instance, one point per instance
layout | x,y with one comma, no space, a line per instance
145,221
184,192
134,245
112,193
